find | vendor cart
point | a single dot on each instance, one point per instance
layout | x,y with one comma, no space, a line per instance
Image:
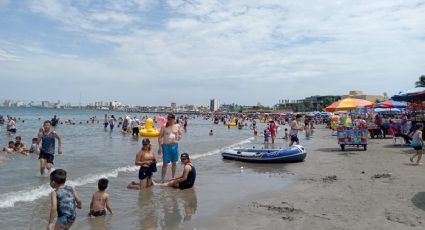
354,137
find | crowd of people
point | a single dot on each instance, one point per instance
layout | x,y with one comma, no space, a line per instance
65,199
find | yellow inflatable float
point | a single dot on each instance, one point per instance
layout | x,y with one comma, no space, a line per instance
232,123
149,130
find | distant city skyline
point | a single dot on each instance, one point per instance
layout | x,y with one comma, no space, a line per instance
154,52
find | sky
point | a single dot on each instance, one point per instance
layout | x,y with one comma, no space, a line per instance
153,52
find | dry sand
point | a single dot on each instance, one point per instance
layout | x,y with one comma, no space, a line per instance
354,189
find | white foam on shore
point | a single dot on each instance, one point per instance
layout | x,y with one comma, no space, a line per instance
217,151
8,200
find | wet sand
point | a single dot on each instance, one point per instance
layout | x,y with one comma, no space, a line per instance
374,189
355,189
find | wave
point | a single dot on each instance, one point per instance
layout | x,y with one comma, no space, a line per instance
8,200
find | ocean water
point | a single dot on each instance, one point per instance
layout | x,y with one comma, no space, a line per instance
91,152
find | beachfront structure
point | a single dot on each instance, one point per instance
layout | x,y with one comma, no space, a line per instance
214,105
312,103
360,95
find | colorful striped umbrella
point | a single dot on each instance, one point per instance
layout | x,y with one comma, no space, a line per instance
391,104
349,104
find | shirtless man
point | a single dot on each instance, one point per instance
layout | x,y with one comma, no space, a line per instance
20,146
10,147
295,127
100,200
168,139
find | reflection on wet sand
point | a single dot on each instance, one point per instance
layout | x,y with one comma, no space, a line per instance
148,207
100,223
166,208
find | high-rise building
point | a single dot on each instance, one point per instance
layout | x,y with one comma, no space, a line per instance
173,105
214,104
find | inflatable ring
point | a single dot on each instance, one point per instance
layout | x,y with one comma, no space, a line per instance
149,130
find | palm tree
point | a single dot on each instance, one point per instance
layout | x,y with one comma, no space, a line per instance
421,82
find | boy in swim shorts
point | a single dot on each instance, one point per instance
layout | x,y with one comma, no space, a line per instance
64,200
100,200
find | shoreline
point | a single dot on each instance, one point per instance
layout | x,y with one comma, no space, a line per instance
373,189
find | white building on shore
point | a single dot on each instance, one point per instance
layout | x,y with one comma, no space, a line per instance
214,105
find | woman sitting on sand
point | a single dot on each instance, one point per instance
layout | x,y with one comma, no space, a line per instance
146,159
187,179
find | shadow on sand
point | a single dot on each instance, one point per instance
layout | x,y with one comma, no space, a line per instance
397,146
419,200
326,150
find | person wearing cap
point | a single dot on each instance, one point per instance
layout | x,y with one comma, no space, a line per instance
169,136
144,158
188,177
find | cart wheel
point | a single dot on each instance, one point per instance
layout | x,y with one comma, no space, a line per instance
342,147
365,147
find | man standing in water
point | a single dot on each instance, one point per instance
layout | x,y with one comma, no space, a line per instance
295,127
168,139
47,150
54,121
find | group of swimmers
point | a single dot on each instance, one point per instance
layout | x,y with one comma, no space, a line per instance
168,150
65,199
19,146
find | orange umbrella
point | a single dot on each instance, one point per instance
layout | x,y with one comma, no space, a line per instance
349,104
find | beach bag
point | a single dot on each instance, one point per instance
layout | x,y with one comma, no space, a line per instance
152,166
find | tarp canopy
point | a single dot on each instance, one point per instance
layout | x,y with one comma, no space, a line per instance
410,95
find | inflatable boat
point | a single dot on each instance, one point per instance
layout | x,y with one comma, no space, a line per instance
296,153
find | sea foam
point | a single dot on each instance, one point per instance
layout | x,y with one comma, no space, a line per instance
9,199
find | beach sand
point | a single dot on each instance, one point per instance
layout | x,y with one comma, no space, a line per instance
355,189
374,189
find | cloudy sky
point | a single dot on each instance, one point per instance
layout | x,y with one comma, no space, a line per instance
152,52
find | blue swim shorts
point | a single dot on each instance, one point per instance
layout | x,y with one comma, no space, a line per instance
294,138
170,153
65,221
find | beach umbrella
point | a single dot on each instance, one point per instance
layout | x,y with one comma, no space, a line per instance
349,104
392,104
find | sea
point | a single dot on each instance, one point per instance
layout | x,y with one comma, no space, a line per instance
91,152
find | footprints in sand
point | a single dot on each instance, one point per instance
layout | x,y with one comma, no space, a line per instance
287,210
329,179
382,175
326,179
403,218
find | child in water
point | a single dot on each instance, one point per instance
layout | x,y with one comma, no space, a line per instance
64,200
211,132
266,136
286,137
100,200
33,145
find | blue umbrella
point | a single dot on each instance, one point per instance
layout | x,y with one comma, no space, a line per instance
392,104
